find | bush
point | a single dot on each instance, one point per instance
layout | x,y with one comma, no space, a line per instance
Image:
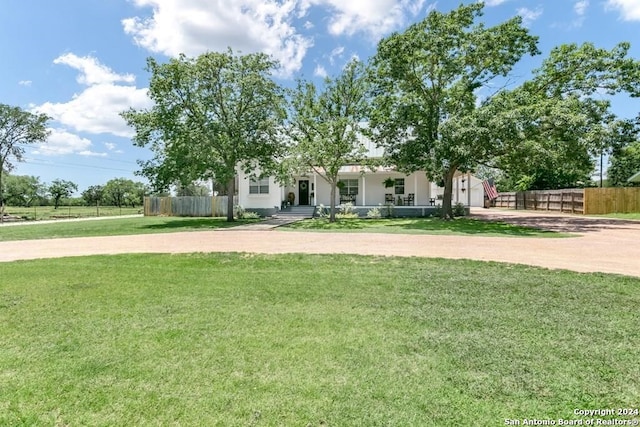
388,210
240,213
322,211
250,215
459,210
347,211
374,213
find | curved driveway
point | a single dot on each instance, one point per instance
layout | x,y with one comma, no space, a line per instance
602,245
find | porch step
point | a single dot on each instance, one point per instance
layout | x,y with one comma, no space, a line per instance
297,212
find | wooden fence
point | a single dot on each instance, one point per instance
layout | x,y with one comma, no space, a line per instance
609,200
186,206
588,201
570,201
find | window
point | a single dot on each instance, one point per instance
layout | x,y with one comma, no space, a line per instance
349,187
399,185
260,186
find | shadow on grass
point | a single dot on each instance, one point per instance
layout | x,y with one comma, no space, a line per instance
195,224
425,226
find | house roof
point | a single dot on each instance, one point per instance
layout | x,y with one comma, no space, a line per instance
635,178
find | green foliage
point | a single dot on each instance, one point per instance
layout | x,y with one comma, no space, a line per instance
23,190
624,164
60,189
123,192
554,124
93,195
211,114
17,129
326,124
459,209
347,211
374,213
192,189
425,81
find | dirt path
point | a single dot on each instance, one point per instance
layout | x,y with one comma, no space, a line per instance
610,246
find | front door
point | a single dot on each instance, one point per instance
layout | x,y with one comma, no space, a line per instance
303,192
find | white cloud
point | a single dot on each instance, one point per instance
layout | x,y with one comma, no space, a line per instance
375,18
629,9
26,83
336,53
61,142
580,7
96,109
91,71
491,3
320,71
196,26
528,15
113,147
193,27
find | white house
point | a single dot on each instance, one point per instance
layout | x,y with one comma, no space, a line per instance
411,195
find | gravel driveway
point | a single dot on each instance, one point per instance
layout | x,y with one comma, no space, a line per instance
601,245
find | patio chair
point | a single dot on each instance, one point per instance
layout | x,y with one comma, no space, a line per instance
388,199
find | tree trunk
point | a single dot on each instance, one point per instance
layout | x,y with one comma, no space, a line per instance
447,210
332,205
231,189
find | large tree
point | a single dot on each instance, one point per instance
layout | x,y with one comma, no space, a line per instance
325,125
123,192
61,189
212,115
17,129
624,164
552,141
547,132
426,80
23,190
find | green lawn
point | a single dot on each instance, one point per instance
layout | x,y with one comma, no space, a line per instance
48,212
299,340
113,227
631,216
459,226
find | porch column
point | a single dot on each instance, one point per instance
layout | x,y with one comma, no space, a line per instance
469,189
315,188
364,191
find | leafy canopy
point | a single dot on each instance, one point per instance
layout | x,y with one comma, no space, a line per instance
425,83
326,125
211,115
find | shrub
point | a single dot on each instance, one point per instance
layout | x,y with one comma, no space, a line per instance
347,211
240,213
250,215
459,210
322,211
374,213
388,210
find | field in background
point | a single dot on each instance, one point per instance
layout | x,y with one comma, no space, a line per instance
37,213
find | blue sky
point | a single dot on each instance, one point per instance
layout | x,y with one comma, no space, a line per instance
82,61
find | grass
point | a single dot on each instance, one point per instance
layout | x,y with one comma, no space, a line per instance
631,216
270,340
39,213
113,227
458,226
